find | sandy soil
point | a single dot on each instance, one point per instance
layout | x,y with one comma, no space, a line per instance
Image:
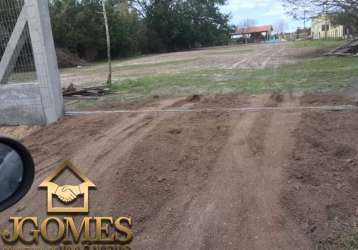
212,180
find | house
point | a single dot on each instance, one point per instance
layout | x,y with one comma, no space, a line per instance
322,28
253,34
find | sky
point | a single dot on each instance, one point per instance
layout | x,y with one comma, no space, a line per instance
263,11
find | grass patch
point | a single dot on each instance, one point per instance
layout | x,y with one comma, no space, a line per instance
311,75
117,66
347,242
317,44
23,77
320,74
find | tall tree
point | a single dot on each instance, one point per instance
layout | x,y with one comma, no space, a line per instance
148,25
180,24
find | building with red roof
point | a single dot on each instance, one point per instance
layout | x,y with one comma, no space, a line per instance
254,33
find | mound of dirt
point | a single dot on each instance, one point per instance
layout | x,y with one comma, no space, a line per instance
66,59
215,101
326,98
194,98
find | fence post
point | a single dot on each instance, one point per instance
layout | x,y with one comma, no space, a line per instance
45,59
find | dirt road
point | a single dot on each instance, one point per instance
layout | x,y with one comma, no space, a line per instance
205,180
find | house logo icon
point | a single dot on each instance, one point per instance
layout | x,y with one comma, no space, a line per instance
67,194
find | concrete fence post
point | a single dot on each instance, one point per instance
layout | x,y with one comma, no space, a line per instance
38,102
45,58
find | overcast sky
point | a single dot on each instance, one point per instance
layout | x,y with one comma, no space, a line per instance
263,11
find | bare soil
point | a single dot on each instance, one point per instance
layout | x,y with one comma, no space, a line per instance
321,191
212,180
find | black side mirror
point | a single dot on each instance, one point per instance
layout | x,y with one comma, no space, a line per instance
16,172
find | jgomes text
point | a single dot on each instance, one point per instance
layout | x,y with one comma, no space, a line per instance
91,230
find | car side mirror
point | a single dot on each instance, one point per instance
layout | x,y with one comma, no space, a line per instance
16,172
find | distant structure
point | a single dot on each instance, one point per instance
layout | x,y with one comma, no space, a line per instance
253,34
322,28
299,34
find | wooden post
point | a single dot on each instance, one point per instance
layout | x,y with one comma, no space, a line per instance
109,79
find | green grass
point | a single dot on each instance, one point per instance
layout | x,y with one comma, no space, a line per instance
311,75
317,44
23,77
346,242
318,74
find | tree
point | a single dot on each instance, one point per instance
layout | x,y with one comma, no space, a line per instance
74,23
179,24
347,14
148,26
302,9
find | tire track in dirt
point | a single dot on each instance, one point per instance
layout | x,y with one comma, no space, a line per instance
251,58
262,58
166,171
209,180
95,153
239,206
272,55
214,218
268,225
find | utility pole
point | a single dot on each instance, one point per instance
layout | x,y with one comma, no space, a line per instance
109,79
326,21
304,24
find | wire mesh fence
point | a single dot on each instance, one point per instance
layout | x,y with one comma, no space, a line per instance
23,68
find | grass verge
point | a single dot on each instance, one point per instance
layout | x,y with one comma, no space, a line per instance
319,74
317,44
347,242
311,75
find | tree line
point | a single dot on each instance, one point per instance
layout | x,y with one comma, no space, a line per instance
138,26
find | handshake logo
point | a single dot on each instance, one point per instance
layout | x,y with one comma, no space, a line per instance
67,193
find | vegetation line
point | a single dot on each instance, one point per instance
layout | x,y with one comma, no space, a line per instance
252,109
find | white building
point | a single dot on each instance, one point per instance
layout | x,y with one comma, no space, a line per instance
323,28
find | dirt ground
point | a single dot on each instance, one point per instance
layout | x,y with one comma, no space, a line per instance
253,56
261,179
